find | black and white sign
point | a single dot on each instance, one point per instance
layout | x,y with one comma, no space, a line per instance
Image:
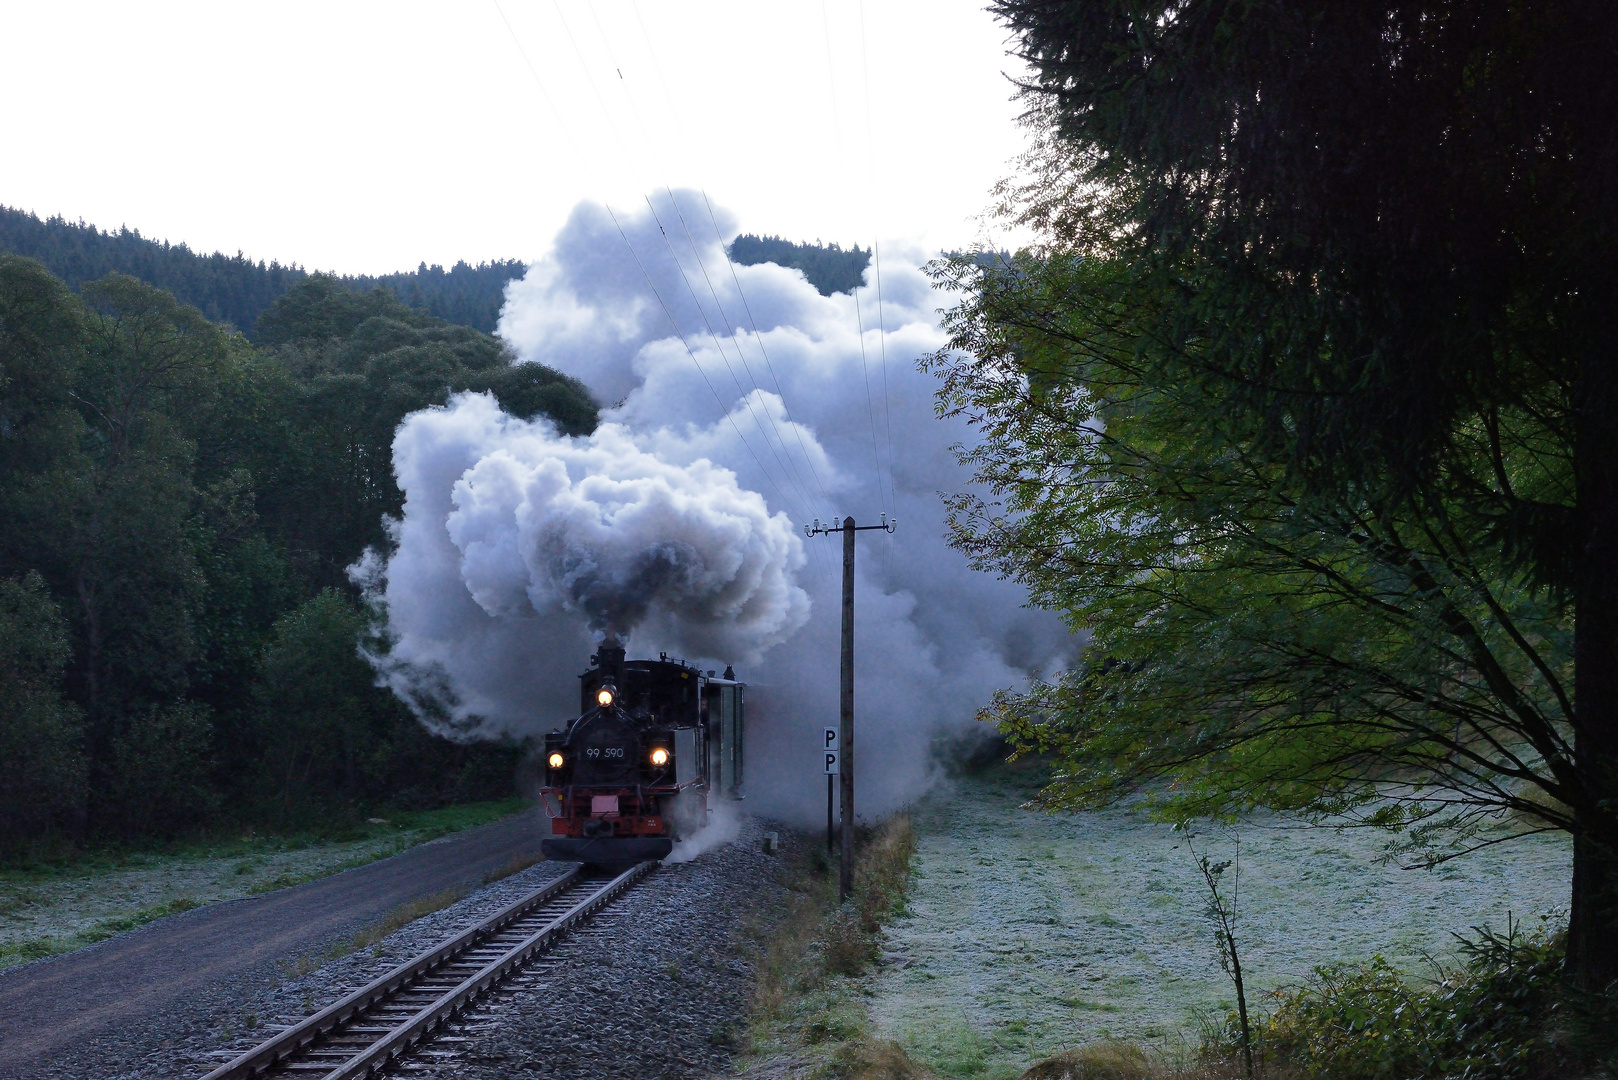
831,762
831,740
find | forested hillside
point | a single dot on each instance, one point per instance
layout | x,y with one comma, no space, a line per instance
829,267
234,289
178,638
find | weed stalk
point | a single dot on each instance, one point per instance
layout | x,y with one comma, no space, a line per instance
1222,912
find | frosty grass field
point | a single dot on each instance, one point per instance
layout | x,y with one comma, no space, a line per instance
1028,933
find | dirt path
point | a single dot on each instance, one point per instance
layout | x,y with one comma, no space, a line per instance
116,991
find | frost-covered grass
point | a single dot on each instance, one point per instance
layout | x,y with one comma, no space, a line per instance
1028,933
53,906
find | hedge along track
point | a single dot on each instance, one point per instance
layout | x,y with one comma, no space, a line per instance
376,1025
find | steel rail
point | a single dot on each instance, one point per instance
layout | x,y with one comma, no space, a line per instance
273,1052
404,1037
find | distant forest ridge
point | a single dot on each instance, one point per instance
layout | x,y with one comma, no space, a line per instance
234,289
829,267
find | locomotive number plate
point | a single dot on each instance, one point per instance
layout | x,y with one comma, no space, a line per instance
604,752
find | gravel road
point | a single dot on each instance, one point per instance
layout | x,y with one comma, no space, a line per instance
103,1011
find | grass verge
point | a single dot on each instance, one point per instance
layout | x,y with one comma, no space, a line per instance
38,948
397,919
51,905
407,828
808,1017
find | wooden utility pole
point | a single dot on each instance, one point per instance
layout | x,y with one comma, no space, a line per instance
845,716
845,876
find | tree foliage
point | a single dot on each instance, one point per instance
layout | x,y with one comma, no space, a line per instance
1262,640
828,267
1303,404
236,290
177,509
42,768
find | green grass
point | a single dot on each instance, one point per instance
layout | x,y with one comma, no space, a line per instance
57,904
20,952
409,827
397,919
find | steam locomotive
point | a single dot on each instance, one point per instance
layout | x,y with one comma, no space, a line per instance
655,743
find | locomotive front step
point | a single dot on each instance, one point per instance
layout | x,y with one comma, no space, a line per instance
604,851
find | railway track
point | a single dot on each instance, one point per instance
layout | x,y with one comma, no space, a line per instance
378,1024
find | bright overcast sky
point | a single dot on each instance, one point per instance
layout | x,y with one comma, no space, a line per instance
367,137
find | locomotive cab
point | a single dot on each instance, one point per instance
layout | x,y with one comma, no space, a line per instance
655,743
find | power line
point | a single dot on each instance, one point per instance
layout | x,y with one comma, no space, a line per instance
691,242
673,323
870,409
876,257
859,322
745,396
696,254
758,335
601,102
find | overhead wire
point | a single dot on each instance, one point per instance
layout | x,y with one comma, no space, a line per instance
652,285
696,254
859,322
701,311
876,258
758,336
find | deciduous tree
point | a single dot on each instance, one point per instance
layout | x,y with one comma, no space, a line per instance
1311,377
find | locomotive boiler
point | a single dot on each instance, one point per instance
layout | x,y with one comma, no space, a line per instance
655,745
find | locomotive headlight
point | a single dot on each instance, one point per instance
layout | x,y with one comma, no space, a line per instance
660,757
604,696
554,761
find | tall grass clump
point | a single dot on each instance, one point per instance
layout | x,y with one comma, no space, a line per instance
881,876
803,1004
1505,1013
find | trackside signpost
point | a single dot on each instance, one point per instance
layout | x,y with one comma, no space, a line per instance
829,744
845,745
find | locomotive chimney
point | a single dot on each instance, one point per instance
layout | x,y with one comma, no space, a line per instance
611,656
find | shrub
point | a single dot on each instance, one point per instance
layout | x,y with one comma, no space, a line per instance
1102,1061
875,1059
42,765
1503,1014
849,945
158,781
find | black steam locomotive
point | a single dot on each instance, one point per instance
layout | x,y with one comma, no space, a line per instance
656,743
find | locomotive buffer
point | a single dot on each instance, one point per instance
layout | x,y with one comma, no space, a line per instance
845,763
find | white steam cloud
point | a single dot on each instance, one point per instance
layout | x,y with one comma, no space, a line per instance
600,528
675,522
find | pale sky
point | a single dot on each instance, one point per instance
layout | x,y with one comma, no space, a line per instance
368,137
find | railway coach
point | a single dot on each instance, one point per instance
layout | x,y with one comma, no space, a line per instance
655,745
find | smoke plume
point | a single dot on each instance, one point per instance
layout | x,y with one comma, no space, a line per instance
674,524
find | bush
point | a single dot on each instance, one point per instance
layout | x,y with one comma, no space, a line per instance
1102,1061
318,704
331,740
875,1059
42,764
159,779
1504,1014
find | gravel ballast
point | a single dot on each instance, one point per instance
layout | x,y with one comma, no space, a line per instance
658,985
